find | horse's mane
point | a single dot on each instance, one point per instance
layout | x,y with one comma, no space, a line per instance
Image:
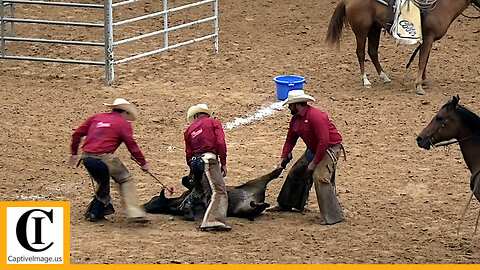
469,119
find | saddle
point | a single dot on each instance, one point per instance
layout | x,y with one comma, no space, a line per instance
403,19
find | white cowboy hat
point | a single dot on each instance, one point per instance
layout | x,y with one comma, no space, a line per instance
296,96
123,104
199,108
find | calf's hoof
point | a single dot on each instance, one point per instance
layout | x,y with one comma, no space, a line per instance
277,208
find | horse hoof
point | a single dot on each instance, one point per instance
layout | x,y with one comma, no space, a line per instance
384,77
420,90
367,85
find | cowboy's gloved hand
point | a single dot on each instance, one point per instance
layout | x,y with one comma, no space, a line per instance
72,161
284,162
224,170
280,163
311,167
145,167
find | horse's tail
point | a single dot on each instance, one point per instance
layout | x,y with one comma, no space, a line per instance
337,21
413,55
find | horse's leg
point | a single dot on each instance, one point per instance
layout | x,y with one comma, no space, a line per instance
373,43
426,82
422,63
361,40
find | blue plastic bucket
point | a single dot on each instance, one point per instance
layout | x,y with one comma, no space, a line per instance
287,83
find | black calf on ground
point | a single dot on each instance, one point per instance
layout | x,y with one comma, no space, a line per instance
245,201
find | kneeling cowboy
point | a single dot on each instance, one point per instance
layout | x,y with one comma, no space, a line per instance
204,144
318,162
104,133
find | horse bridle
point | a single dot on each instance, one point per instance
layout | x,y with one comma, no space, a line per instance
451,142
430,139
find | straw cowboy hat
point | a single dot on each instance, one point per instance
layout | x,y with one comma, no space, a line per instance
296,96
123,104
199,108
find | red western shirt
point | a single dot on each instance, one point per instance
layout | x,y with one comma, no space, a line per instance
205,135
105,132
316,130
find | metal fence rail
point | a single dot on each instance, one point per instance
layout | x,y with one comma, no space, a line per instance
164,49
108,29
163,31
12,38
40,59
53,22
39,40
12,14
66,4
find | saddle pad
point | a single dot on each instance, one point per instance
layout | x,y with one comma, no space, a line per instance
407,26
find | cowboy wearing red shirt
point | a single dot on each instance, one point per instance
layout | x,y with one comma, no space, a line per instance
104,133
204,144
318,162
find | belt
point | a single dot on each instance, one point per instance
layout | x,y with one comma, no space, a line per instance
203,153
96,155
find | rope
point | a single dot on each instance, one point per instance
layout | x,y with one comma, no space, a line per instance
455,141
476,224
468,203
465,211
472,17
334,159
425,5
170,190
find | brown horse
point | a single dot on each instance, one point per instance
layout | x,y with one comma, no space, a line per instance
368,17
454,121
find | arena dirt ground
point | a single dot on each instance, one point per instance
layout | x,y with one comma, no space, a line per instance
402,203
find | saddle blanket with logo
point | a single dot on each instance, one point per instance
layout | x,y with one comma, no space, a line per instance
407,25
